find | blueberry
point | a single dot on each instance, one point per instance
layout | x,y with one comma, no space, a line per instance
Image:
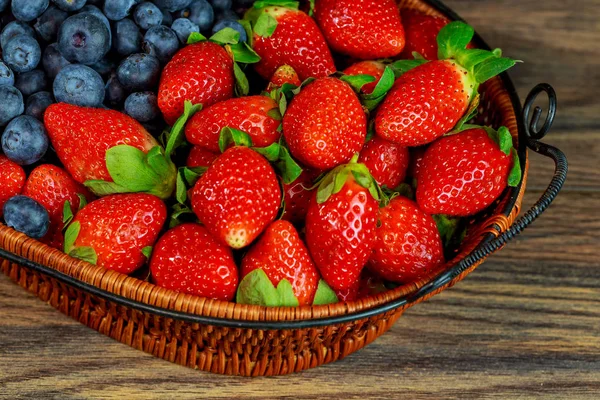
84,38
26,215
115,92
118,9
142,106
3,5
7,77
162,42
127,38
25,140
70,5
97,12
167,17
28,10
233,25
147,15
13,29
172,5
37,103
139,72
221,5
199,12
183,27
79,85
12,103
22,53
227,14
53,61
104,66
31,82
49,22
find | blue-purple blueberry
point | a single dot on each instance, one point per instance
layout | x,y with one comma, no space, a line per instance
147,15
221,5
70,5
199,12
127,38
53,61
79,85
15,28
25,140
48,24
7,77
167,17
22,53
31,82
162,42
142,106
183,27
172,5
28,10
12,103
26,215
84,38
139,72
118,9
37,103
115,92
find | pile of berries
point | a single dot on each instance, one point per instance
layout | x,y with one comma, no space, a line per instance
277,180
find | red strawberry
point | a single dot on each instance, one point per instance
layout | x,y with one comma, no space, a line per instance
373,68
340,225
386,161
296,197
189,260
116,232
200,157
201,73
258,116
463,174
287,36
408,244
237,197
370,285
282,255
325,124
364,29
284,74
84,137
51,186
431,99
12,180
421,33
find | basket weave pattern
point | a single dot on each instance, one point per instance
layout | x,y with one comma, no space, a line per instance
237,351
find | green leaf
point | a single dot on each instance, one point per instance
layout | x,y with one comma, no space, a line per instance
401,67
67,213
147,252
177,134
71,235
179,210
226,36
180,190
505,140
469,58
515,175
243,53
447,227
195,37
471,113
275,114
234,136
192,174
384,85
453,37
358,81
85,253
492,67
104,188
270,152
280,3
242,87
256,288
325,295
82,201
287,167
406,190
265,25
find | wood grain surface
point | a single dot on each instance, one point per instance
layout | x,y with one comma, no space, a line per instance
524,325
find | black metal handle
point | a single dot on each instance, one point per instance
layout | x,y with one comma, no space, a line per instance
532,137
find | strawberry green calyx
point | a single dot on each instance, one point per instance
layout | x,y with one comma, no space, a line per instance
257,289
505,141
83,253
335,180
324,295
262,16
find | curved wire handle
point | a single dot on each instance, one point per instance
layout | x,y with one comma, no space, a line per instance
533,135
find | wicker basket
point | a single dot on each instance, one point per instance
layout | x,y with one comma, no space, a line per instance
236,339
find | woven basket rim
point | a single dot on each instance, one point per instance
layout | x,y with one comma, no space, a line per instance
144,296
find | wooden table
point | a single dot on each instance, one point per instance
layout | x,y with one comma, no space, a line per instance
526,324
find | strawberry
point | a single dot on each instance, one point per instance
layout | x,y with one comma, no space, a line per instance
200,157
116,232
370,285
340,225
283,35
237,197
364,29
421,33
189,260
387,162
51,186
108,151
201,73
296,197
408,244
465,173
325,125
258,116
433,98
373,68
284,74
12,180
282,255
